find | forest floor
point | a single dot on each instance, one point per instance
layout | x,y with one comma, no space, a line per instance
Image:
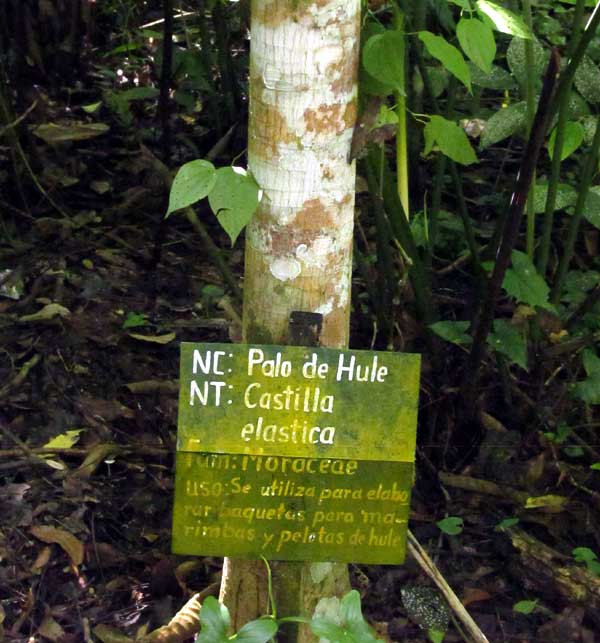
90,328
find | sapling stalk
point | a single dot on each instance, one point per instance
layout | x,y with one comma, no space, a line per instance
563,117
589,169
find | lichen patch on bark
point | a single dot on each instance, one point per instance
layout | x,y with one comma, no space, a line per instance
325,119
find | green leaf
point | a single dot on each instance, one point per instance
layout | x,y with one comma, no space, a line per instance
463,4
523,282
381,58
448,55
452,525
425,606
350,609
551,500
477,41
591,208
566,195
234,199
498,78
193,182
92,107
215,622
64,440
324,628
135,320
574,452
587,80
451,140
595,466
588,390
139,93
259,631
506,523
577,284
452,331
210,291
573,138
583,554
435,636
589,128
517,60
525,607
504,123
507,340
504,20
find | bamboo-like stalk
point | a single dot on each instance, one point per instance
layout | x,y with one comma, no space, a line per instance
589,169
401,133
563,117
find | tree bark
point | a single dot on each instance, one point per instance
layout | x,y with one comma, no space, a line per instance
303,97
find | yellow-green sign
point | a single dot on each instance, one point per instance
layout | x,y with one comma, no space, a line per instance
294,453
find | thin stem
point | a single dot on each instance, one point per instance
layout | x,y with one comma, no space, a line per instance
270,588
401,133
228,81
385,267
438,181
530,97
483,322
402,232
165,78
589,169
466,221
563,116
213,252
567,76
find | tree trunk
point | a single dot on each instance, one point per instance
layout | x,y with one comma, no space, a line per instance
303,93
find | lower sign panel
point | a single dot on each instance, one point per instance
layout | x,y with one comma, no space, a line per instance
288,508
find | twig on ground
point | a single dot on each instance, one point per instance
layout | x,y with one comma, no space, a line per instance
21,376
429,567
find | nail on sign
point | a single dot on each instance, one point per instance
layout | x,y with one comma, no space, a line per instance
295,453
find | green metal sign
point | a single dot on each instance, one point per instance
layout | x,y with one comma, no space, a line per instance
294,453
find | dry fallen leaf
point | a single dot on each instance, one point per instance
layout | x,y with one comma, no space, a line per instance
47,313
42,560
474,595
154,339
50,629
94,458
72,545
73,131
108,634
